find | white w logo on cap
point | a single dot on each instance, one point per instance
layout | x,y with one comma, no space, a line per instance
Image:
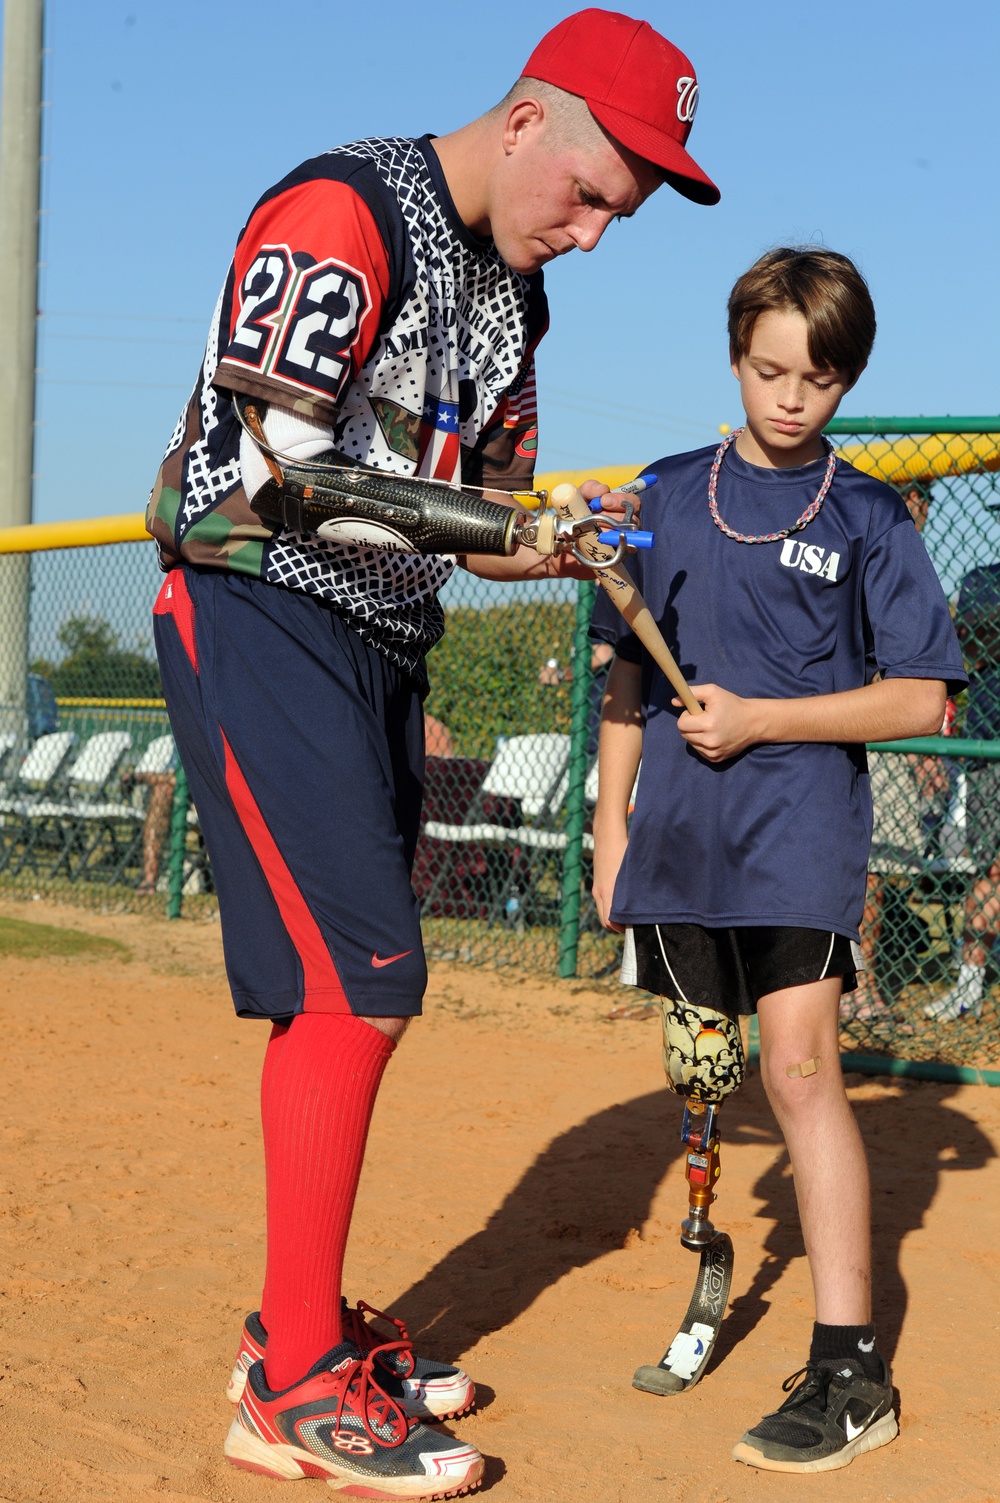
687,99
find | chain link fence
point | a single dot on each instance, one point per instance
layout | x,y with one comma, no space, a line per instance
88,770
933,902
504,866
94,807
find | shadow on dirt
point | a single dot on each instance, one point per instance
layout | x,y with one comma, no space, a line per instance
912,1136
594,1184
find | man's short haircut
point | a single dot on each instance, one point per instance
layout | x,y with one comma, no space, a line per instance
829,292
572,121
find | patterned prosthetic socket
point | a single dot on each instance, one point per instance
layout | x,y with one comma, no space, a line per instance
702,1052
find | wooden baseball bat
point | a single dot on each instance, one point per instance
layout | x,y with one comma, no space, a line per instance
568,502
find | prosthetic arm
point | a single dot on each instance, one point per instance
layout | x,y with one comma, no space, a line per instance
328,495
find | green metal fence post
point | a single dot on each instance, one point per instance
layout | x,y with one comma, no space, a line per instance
178,831
572,872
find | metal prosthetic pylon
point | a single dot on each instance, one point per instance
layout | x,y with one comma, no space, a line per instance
687,1356
700,1136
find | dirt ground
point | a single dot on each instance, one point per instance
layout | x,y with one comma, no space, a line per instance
519,1209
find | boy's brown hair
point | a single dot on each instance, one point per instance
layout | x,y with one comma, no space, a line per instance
829,292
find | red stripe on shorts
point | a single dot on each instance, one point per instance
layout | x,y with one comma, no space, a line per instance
324,991
175,600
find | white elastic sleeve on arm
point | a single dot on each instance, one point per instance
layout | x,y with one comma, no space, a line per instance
290,433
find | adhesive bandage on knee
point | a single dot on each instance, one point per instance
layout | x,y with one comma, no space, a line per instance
702,1051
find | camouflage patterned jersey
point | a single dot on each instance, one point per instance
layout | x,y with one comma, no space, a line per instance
358,297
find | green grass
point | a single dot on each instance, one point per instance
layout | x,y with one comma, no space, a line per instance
46,942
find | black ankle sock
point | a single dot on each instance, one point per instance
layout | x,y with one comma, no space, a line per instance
856,1342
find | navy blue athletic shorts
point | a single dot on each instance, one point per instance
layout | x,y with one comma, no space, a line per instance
304,750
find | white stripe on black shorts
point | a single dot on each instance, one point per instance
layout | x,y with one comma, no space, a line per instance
732,968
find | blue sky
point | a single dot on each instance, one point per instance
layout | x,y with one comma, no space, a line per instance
872,127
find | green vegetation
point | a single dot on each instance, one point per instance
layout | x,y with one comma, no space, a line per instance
25,941
97,666
484,674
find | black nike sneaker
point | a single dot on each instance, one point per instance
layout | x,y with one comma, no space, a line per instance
834,1414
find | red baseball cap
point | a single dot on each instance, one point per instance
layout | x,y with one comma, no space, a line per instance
637,84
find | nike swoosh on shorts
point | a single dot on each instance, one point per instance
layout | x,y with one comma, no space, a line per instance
378,963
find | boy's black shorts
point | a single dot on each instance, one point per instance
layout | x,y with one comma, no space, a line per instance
731,969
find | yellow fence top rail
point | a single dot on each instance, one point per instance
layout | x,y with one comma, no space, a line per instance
612,474
930,458
129,527
926,460
112,704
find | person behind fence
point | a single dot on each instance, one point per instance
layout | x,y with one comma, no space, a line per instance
383,307
550,675
437,738
909,797
791,578
156,825
977,618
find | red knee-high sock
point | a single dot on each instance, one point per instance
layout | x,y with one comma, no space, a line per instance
279,1032
321,1076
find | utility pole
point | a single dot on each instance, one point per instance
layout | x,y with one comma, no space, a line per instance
20,153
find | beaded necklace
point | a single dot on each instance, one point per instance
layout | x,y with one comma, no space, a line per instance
811,511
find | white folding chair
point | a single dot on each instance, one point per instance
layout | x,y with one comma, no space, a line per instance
74,824
158,756
9,744
532,770
97,764
44,762
36,781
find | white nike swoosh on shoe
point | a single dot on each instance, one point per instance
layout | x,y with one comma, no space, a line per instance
853,1430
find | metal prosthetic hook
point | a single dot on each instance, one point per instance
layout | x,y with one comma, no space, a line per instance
548,532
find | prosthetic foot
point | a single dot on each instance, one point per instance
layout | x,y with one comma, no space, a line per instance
703,1057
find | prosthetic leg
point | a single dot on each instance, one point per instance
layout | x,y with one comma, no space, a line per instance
703,1057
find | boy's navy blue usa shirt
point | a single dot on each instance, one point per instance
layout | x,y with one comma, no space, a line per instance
779,834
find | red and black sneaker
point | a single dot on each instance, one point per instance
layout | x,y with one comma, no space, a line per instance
429,1391
340,1425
